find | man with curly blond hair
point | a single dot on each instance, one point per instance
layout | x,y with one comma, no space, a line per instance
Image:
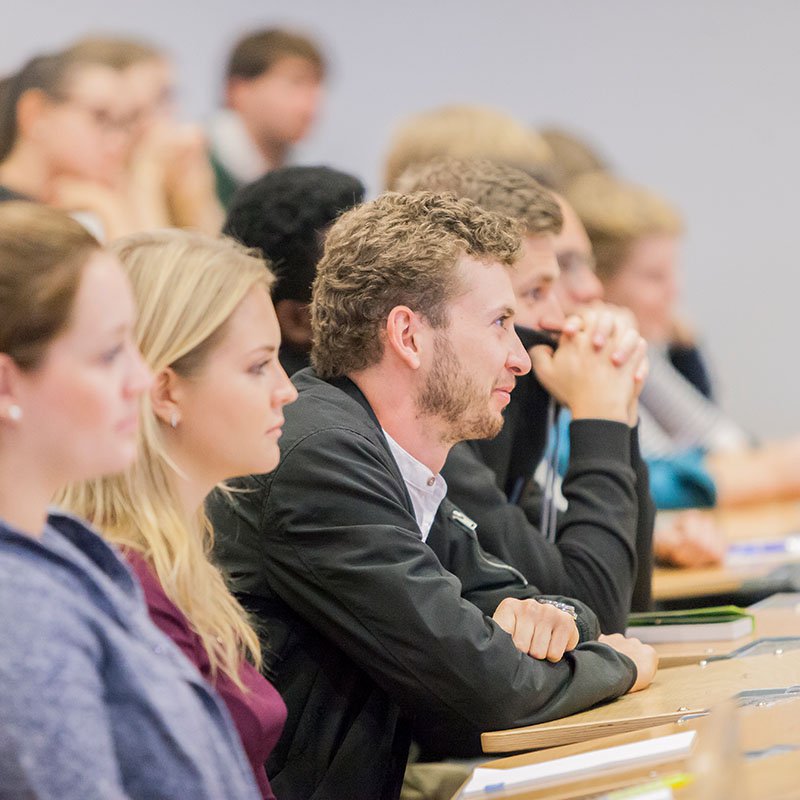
381,614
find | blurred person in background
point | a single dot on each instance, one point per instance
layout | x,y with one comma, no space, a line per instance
64,134
635,235
273,90
167,178
465,131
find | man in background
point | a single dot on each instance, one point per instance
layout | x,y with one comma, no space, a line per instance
272,93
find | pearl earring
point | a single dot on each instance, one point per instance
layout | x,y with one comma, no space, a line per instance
14,413
173,419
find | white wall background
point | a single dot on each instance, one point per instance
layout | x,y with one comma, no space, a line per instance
697,99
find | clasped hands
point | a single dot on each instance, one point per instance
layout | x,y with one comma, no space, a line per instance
599,367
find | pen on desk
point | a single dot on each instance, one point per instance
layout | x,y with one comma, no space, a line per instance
791,544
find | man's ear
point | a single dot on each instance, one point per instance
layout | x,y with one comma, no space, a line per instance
237,93
405,335
165,396
294,321
31,107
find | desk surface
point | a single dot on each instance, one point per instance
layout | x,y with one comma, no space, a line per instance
759,728
674,692
763,521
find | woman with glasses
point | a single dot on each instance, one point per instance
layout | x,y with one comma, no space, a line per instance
95,702
65,126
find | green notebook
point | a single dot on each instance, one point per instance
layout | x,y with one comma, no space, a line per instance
691,625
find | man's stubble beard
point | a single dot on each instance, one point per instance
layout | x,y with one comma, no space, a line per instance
451,395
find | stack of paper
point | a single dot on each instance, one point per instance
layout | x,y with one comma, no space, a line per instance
486,781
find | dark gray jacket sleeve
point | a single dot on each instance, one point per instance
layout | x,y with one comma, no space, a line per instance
594,558
642,599
331,534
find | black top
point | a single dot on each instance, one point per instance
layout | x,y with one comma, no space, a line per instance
369,631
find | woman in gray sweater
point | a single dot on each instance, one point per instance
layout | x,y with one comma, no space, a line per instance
94,701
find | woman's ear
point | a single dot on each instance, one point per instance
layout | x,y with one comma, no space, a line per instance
9,401
165,397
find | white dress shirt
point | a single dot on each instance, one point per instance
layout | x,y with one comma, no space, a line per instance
425,489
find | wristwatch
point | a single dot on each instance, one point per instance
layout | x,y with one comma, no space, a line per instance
565,607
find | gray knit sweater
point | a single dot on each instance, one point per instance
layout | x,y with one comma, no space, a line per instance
95,702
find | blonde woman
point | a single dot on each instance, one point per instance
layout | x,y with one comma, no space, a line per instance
208,332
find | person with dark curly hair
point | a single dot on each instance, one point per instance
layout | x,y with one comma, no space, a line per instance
286,214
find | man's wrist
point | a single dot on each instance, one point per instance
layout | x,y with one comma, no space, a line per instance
615,413
565,607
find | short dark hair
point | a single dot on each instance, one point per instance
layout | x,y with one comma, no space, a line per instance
284,214
259,51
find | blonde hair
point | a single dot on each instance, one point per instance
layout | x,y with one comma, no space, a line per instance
187,286
465,132
616,214
572,156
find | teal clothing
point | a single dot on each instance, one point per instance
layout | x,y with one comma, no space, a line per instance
681,480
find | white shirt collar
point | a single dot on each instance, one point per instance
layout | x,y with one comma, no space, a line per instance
233,147
425,489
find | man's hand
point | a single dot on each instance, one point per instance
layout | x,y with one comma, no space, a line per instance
644,656
538,629
594,382
689,539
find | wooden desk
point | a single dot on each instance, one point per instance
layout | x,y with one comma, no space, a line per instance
764,521
758,729
770,622
674,693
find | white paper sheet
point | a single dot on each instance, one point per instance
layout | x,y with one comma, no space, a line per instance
487,781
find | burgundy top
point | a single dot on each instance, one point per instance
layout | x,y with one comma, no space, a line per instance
259,714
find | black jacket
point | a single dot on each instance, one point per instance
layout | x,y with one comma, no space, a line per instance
369,631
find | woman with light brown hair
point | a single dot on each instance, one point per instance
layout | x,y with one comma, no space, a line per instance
94,700
208,332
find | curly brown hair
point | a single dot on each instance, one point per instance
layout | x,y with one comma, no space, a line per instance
493,186
399,249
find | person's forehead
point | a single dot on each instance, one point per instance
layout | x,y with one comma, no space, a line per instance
538,260
485,283
95,81
573,235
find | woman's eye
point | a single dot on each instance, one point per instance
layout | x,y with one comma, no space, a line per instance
110,355
258,369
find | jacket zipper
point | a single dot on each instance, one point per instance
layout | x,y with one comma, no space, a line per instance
462,519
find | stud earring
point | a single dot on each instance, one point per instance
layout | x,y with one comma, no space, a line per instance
173,419
14,413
